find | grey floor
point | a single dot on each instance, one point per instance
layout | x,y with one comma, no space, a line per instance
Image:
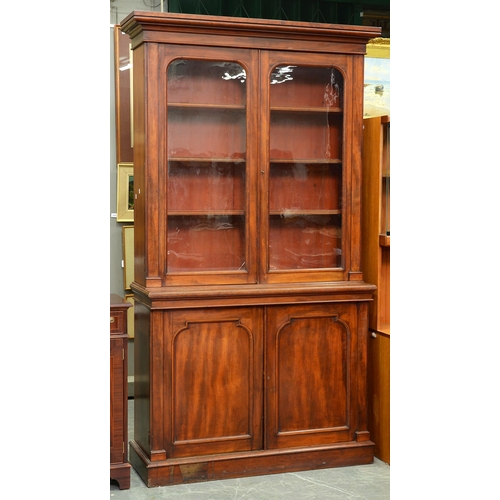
362,482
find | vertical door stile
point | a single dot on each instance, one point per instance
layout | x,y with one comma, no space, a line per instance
263,171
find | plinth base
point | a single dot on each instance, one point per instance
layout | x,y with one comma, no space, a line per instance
252,463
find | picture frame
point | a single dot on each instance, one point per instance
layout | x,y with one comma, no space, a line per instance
130,315
128,256
123,96
377,88
125,192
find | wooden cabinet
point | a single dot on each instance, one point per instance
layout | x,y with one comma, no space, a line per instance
119,466
376,266
251,311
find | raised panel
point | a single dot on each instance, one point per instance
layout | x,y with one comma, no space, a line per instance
216,373
308,375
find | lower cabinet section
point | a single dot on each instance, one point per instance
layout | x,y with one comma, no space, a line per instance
237,391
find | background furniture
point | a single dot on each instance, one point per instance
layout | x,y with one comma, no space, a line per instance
119,466
376,267
251,312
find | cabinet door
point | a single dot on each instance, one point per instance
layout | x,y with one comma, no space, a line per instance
209,187
310,375
305,160
214,381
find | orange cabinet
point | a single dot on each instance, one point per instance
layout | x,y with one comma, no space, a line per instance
376,267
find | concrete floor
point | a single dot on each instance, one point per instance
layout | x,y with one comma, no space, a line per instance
361,482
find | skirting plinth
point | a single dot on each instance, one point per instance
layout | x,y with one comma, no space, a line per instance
253,463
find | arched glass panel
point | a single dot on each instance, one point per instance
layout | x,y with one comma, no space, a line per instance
305,170
206,147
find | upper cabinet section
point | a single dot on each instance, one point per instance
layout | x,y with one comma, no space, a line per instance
247,139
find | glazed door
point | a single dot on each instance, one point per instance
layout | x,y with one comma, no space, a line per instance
310,375
210,101
305,168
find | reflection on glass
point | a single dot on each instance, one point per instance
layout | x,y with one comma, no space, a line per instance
206,143
282,74
305,171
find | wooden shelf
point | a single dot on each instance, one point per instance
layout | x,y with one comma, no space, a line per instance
309,161
291,109
298,212
385,329
204,159
206,106
204,213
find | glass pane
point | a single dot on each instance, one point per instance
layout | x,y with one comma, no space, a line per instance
305,171
206,166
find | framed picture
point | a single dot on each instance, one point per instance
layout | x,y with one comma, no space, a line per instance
128,256
125,192
130,315
123,97
377,91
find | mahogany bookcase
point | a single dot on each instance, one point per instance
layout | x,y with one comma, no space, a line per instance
251,313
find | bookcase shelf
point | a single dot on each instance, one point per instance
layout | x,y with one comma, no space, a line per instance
298,212
206,160
204,213
205,106
317,110
312,161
